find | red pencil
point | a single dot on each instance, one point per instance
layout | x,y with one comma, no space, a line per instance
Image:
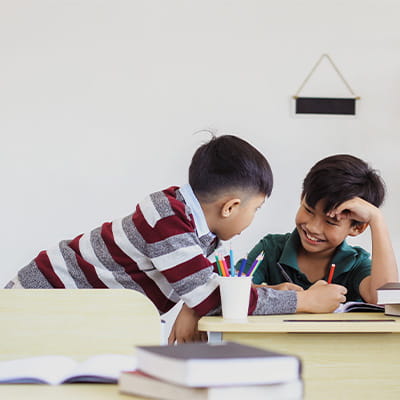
331,272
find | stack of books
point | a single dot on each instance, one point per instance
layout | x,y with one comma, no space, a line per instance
204,371
389,296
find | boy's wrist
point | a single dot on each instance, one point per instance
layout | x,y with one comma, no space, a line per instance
302,302
187,310
377,219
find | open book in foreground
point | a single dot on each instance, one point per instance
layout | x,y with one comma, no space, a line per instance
55,369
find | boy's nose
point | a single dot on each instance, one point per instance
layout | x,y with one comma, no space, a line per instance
314,226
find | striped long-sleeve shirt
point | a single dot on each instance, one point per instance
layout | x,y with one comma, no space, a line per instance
158,250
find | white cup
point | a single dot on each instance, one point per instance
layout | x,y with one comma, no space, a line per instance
235,297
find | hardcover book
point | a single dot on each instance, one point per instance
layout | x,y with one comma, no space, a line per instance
389,293
392,309
228,363
140,384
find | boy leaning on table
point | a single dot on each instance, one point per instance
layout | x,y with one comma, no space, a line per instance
163,248
341,197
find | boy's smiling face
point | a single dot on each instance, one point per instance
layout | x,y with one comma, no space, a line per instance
320,234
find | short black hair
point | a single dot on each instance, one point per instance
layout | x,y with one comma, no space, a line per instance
229,163
338,178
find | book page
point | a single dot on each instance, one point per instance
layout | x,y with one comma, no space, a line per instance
43,369
101,368
358,306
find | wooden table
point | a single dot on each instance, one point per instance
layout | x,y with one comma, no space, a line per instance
78,323
345,356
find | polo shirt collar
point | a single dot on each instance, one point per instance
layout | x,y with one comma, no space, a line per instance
196,210
343,256
289,253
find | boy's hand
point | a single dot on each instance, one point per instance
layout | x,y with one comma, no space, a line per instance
282,286
356,209
185,327
321,297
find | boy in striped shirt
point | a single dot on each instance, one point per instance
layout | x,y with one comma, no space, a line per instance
163,249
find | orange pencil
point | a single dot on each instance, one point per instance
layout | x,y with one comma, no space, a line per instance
331,272
224,266
221,266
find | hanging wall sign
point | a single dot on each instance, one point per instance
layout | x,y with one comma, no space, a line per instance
325,105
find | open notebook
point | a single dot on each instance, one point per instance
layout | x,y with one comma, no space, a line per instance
358,306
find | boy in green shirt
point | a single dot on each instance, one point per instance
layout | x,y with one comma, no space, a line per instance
340,197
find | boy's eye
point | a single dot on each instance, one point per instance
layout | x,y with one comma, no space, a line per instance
332,223
308,210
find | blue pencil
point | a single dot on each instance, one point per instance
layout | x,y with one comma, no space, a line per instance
232,273
242,265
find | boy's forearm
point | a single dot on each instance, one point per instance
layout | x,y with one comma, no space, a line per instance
384,266
322,298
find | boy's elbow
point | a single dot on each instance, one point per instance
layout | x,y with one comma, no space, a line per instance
371,298
367,291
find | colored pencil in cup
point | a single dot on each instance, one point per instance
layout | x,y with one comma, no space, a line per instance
224,266
255,264
232,270
219,265
242,265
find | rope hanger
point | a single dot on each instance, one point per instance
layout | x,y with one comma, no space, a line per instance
296,96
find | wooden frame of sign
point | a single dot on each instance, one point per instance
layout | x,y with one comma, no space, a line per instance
325,105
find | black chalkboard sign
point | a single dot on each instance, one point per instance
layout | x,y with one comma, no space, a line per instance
325,105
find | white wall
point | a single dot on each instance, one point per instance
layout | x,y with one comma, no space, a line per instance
99,101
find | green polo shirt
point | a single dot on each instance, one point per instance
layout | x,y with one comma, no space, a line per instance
353,263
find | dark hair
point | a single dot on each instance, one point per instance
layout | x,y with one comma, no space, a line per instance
228,162
342,177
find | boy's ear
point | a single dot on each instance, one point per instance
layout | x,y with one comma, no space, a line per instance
229,207
358,228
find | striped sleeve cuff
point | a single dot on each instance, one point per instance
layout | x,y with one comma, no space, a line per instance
272,301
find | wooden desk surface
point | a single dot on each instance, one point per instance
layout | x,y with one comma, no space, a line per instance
345,356
77,323
339,322
80,391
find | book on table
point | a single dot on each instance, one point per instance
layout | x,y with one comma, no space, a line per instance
392,309
207,364
140,384
57,369
389,293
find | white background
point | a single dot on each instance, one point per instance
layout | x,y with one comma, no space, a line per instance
99,102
